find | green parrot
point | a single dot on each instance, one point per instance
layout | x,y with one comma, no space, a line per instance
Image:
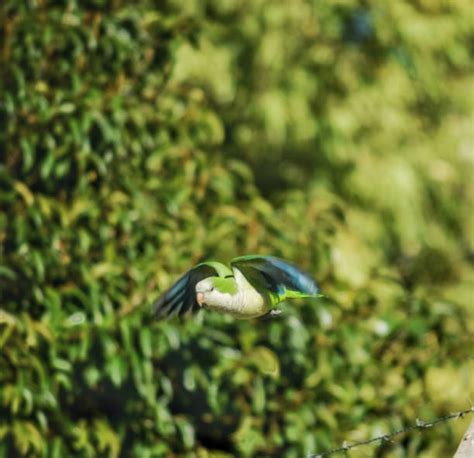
249,289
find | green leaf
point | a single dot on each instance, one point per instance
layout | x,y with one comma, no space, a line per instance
266,361
258,398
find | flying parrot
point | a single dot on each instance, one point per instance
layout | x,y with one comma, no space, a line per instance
249,289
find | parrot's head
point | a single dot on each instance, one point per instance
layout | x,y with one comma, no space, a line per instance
206,293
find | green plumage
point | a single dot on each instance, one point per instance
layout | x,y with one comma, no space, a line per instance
221,269
225,285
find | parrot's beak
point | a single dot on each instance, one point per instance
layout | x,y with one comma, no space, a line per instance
200,299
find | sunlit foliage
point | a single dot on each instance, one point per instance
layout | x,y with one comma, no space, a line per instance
138,138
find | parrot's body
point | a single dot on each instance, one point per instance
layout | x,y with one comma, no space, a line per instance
251,289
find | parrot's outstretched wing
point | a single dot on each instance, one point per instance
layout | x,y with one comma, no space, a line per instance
180,299
281,279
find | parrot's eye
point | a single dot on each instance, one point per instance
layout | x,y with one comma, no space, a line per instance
212,289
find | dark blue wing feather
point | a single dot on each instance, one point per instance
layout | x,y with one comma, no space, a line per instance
180,299
289,275
279,276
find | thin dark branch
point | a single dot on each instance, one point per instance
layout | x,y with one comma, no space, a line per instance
419,424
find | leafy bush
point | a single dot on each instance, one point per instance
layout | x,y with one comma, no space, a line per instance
139,138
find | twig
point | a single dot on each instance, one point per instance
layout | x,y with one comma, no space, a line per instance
419,424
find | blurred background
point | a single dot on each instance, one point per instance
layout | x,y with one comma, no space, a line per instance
139,138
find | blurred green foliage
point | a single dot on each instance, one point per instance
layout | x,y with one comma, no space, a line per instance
140,137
